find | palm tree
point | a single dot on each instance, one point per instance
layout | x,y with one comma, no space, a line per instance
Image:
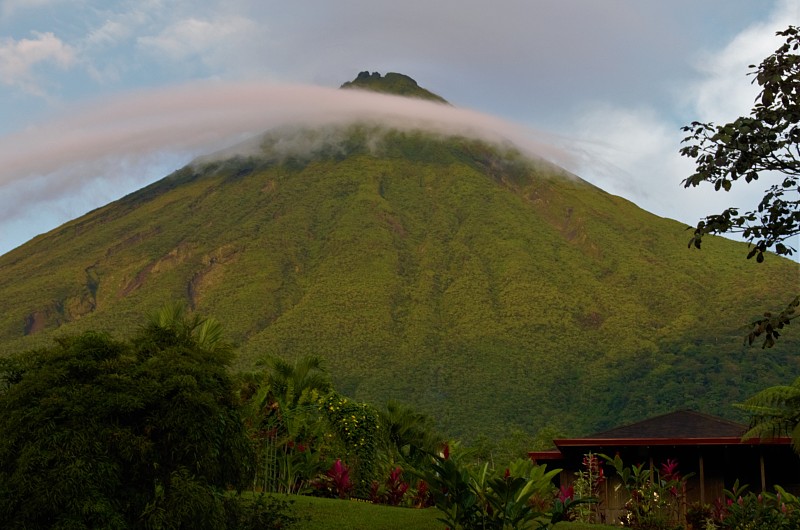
293,384
205,333
285,411
775,411
410,433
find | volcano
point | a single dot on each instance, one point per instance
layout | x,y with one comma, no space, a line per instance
479,284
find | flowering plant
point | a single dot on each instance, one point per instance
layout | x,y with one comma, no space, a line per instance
588,485
763,511
656,496
335,482
356,425
566,506
390,492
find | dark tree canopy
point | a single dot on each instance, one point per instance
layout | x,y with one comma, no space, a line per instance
100,433
760,146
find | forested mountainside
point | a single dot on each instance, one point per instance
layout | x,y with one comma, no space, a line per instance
482,287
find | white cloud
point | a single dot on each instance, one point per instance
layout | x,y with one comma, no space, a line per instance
634,151
121,23
110,33
724,90
193,37
19,57
9,7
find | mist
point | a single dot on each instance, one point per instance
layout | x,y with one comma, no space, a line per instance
93,140
99,151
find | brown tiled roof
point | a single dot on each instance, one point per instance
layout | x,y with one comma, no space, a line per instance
683,427
678,424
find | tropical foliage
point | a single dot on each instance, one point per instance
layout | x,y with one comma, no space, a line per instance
588,485
657,497
470,496
390,457
310,439
152,433
741,508
775,412
101,433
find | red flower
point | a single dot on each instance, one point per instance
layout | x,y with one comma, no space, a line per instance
673,491
669,470
595,469
423,497
566,493
339,475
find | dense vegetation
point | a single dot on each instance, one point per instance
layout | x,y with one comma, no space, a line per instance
487,290
100,433
153,433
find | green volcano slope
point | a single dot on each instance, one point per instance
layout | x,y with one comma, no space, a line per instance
484,288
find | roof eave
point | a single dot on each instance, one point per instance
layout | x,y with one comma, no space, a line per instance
623,442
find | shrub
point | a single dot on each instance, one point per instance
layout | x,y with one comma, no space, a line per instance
99,433
765,511
335,482
480,498
390,492
260,513
358,427
656,496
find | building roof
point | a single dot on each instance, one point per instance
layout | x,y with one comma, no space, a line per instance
683,427
678,424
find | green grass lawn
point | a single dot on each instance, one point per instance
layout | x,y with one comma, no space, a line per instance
584,526
333,514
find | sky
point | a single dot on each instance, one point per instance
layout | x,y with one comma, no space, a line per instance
100,98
